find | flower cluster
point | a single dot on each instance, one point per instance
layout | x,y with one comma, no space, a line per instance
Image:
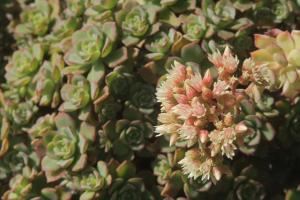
203,114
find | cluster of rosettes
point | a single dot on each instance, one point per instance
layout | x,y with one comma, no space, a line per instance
202,114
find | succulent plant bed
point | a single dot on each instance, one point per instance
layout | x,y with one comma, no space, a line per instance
150,99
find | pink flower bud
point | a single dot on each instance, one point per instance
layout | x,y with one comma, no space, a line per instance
207,80
189,91
180,98
207,94
203,135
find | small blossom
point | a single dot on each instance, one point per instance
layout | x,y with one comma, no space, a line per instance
196,164
188,132
198,109
196,82
177,74
226,63
201,111
166,129
183,111
223,141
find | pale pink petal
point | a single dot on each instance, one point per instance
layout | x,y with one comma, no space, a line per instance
183,111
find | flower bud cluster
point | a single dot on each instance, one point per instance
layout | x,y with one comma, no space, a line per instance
202,113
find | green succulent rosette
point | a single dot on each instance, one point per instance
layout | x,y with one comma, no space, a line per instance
123,137
194,27
37,18
166,169
21,114
134,133
75,95
42,125
107,108
160,44
91,181
266,105
136,22
132,136
274,11
131,189
18,157
280,72
258,129
196,188
222,13
22,68
247,185
100,11
65,147
89,44
20,188
247,189
162,168
119,83
142,96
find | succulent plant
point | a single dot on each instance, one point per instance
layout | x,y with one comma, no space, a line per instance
221,13
276,12
118,83
23,66
107,107
18,157
21,188
246,186
248,189
43,125
194,27
142,96
91,181
76,94
160,44
124,136
100,11
133,188
136,21
276,64
89,44
21,114
36,18
258,129
134,133
65,147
